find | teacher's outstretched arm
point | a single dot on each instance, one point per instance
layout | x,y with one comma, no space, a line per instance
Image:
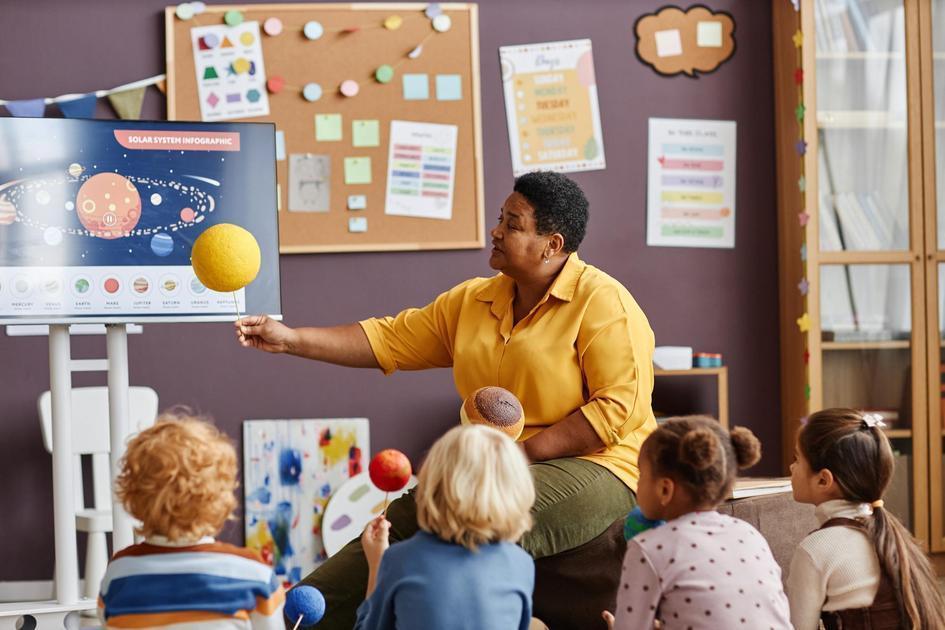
342,345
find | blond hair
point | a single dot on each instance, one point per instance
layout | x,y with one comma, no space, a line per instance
178,478
475,488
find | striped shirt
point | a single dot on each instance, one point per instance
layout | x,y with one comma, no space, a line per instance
207,584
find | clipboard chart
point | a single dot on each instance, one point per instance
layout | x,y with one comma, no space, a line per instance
376,110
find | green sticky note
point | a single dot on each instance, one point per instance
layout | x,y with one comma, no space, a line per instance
358,170
366,133
328,127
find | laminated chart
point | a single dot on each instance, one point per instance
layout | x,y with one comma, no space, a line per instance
691,183
421,170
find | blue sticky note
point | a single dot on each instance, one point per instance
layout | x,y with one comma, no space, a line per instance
449,87
280,145
416,87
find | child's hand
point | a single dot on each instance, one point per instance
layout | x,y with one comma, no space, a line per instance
376,539
609,618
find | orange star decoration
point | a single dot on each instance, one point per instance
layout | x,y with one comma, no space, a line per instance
798,38
803,323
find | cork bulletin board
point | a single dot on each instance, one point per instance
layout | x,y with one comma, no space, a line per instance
353,42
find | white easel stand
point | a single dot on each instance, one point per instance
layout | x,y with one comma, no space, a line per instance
61,613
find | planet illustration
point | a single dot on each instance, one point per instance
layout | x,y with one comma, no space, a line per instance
162,244
111,285
140,285
81,286
109,205
169,285
52,287
75,169
197,287
7,211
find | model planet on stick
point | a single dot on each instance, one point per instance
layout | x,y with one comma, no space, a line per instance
390,470
304,605
494,407
226,258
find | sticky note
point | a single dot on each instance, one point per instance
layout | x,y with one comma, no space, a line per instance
357,202
328,127
357,224
366,133
416,87
280,145
449,87
358,170
709,34
668,43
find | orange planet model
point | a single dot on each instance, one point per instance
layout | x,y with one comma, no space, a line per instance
108,205
494,407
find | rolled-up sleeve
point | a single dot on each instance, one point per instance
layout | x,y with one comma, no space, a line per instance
416,338
616,361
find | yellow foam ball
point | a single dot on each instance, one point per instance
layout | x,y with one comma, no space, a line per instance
226,258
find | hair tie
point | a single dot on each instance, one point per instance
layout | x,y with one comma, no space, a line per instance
877,504
873,421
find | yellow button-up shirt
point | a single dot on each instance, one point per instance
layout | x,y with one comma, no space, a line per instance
586,345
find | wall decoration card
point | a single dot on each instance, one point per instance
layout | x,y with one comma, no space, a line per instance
231,76
551,105
344,83
691,183
290,470
420,170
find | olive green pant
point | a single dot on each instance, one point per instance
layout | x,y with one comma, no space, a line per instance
575,501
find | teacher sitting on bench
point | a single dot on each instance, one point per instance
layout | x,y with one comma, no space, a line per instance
567,339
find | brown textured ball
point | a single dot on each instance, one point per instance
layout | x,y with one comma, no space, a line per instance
495,407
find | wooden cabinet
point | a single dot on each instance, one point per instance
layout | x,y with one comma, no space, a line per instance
860,127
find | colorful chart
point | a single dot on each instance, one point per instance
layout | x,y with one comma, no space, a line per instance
421,170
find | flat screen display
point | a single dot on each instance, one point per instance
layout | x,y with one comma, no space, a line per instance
98,218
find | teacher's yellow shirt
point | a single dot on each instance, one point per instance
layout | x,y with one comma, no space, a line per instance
586,345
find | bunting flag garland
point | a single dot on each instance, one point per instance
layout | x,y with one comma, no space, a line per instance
82,107
127,104
800,147
125,99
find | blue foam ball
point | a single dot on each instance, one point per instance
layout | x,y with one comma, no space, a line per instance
307,602
636,523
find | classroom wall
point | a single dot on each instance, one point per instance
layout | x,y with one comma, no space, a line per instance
714,300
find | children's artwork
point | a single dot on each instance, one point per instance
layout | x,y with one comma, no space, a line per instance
231,77
691,183
290,470
309,183
551,104
672,40
421,170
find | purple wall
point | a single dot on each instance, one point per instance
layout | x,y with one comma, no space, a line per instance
714,300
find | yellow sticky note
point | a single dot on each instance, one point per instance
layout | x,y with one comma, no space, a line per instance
358,170
366,133
328,127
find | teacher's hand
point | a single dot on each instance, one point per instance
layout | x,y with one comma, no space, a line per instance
263,333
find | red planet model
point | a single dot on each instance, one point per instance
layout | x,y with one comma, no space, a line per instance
390,470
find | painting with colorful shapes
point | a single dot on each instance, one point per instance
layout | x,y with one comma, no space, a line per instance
291,468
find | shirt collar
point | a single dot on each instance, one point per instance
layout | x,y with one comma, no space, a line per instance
840,508
163,541
501,289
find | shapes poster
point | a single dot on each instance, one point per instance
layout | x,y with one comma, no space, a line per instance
290,470
551,105
691,183
231,78
421,170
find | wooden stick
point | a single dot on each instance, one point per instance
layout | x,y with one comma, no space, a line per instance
298,623
236,303
384,511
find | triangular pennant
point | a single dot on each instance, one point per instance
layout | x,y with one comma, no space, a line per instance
82,107
210,73
162,86
32,108
127,104
226,43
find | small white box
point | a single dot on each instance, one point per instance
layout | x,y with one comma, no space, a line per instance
673,357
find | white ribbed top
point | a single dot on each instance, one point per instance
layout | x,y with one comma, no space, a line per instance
834,568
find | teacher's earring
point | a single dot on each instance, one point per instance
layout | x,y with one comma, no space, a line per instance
547,261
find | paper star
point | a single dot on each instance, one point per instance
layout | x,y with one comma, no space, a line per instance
807,392
802,183
803,420
803,218
799,112
798,76
803,323
804,252
806,357
798,38
797,4
801,147
803,286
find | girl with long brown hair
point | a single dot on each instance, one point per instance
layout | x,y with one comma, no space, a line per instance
862,568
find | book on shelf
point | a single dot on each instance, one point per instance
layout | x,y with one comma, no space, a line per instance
746,487
849,25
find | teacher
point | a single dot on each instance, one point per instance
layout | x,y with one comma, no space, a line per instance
567,339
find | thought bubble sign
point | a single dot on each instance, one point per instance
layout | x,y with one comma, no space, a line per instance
672,40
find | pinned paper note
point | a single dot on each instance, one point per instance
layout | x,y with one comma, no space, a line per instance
309,183
357,202
280,145
365,133
449,87
416,87
668,43
358,170
421,170
357,224
709,34
231,78
328,127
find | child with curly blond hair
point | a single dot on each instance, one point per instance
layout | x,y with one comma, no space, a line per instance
178,479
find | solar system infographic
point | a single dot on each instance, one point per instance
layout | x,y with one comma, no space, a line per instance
98,217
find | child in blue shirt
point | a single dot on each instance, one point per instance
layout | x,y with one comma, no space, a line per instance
462,570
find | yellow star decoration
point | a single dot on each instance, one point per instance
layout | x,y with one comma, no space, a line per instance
798,38
803,323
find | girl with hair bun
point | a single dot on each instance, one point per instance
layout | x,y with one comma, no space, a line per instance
861,569
700,569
